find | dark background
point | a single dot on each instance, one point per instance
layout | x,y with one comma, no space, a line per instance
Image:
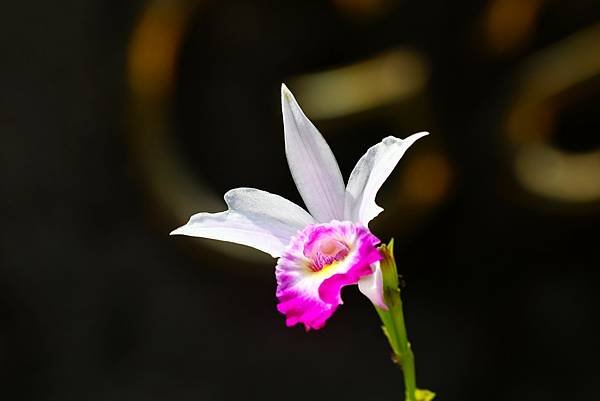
97,302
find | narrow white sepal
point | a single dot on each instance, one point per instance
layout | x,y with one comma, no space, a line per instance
372,286
369,174
255,218
312,164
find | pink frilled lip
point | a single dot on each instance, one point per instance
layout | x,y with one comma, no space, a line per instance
317,264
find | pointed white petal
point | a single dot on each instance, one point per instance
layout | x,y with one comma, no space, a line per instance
312,164
372,286
370,173
255,218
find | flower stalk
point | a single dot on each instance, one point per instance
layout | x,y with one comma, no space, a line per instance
394,326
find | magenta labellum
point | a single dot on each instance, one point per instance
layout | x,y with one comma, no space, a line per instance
317,264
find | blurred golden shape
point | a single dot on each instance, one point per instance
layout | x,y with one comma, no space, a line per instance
427,179
508,24
388,77
550,74
152,58
554,78
363,8
555,174
153,47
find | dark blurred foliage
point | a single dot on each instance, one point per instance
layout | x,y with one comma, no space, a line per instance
97,302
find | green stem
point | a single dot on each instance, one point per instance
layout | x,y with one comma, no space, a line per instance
395,328
405,356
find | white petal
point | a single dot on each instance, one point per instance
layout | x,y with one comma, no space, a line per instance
255,218
312,164
372,286
370,173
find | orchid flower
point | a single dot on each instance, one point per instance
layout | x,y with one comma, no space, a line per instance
325,249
